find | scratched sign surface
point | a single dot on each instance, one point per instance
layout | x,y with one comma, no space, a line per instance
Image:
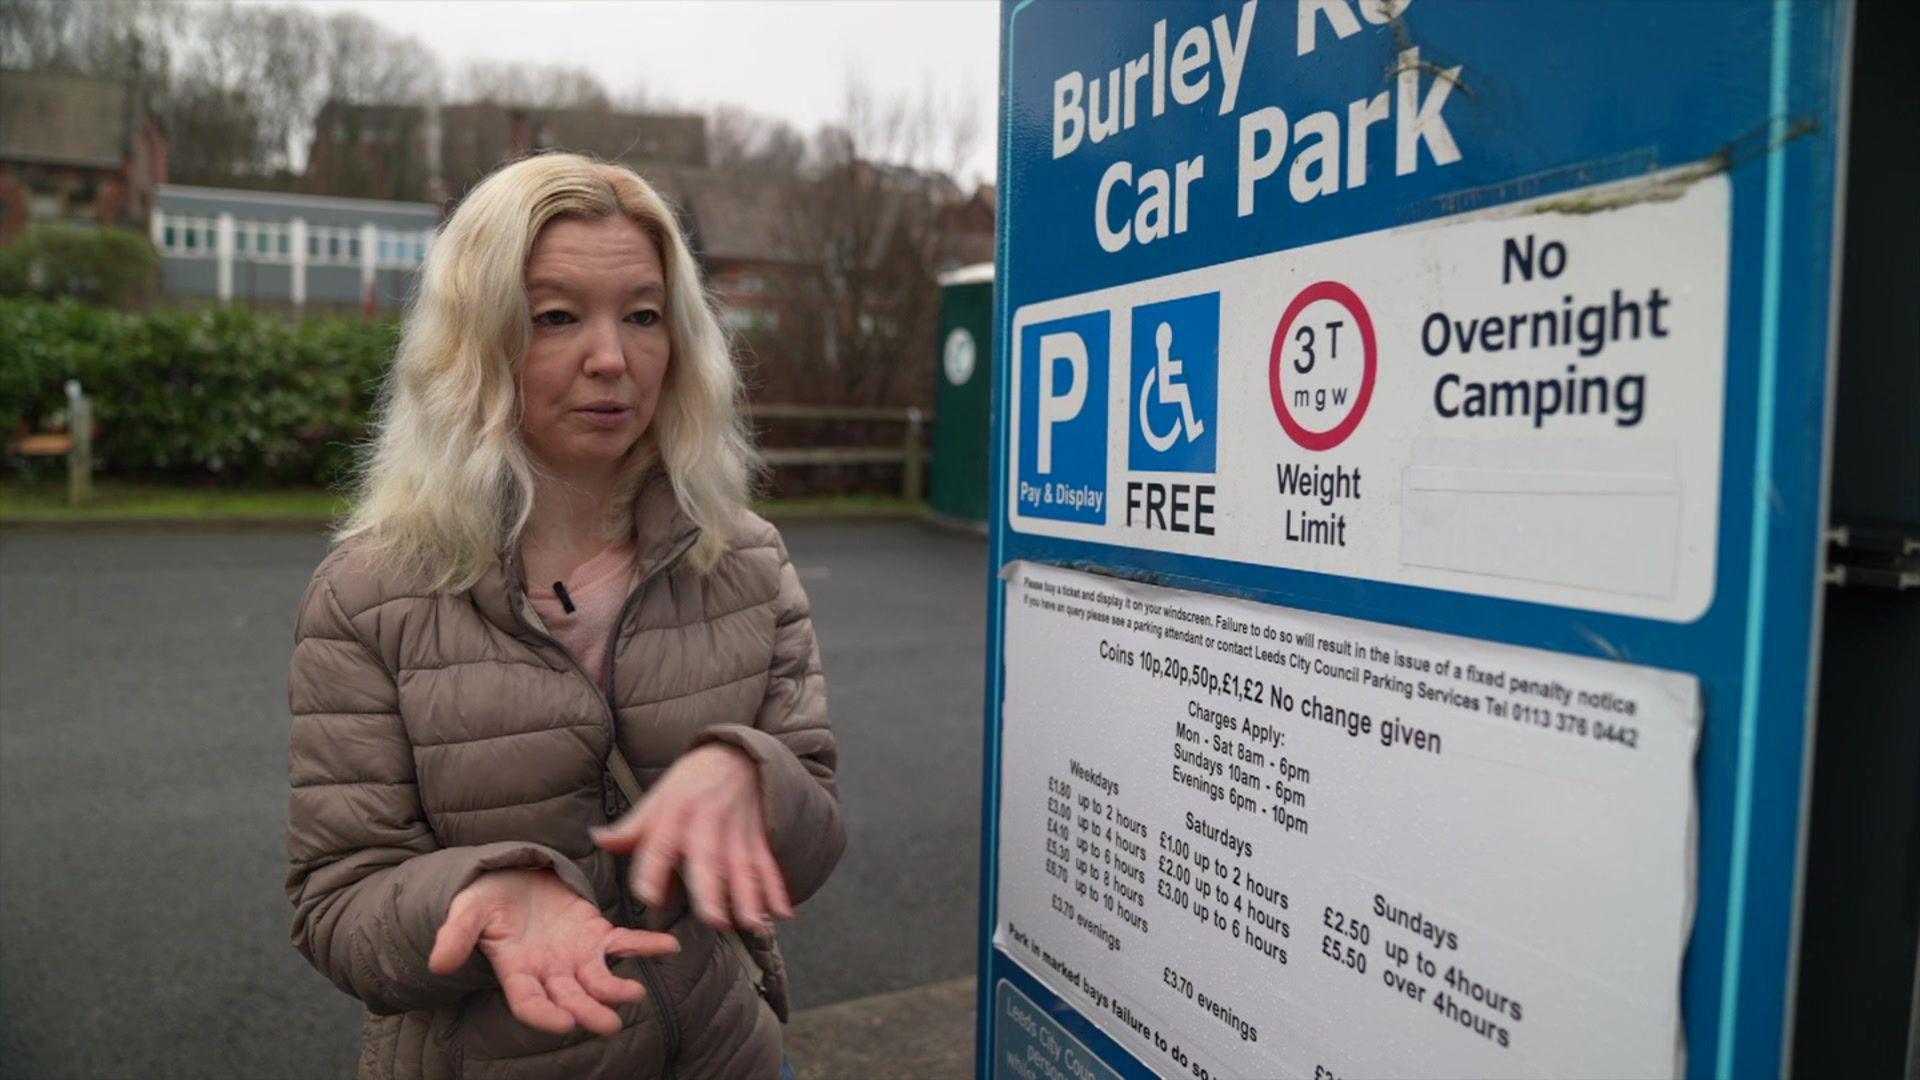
1503,321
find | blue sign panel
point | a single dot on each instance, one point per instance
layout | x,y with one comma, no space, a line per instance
1177,344
1063,455
1405,534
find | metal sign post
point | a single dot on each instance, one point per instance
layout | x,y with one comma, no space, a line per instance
1409,468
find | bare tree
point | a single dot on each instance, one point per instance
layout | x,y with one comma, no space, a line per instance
538,86
639,97
870,221
33,33
285,78
245,92
364,63
738,139
105,38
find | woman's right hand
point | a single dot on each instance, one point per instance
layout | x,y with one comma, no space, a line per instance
549,948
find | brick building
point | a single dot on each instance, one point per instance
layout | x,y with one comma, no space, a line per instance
79,150
474,138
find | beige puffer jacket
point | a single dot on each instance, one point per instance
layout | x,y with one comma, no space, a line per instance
437,737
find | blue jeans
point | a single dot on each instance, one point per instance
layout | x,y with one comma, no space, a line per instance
786,1069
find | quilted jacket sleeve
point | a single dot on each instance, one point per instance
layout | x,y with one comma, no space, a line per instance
793,745
370,885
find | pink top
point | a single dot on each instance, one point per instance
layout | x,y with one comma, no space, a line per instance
597,588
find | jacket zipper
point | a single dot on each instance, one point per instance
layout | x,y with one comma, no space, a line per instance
668,1022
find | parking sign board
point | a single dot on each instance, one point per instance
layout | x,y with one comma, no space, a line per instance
1405,534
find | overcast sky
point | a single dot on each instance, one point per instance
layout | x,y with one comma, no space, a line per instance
790,58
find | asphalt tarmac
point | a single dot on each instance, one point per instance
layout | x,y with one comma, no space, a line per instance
143,793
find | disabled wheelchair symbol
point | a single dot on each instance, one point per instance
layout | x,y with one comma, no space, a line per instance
1166,375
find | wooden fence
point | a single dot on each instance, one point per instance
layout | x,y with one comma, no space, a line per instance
909,453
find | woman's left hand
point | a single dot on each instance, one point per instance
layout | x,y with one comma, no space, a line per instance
703,816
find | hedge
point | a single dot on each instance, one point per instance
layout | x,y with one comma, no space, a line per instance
223,393
98,266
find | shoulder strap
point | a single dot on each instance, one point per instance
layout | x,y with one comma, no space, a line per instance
623,774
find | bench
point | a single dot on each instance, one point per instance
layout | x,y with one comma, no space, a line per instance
75,443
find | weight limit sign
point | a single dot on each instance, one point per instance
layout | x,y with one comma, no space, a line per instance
1322,366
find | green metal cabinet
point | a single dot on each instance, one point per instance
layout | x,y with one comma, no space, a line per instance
964,401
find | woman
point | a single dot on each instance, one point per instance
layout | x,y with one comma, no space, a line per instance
550,598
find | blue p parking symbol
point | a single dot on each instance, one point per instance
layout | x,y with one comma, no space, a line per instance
1063,419
1175,379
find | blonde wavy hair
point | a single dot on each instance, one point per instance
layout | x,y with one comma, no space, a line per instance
444,487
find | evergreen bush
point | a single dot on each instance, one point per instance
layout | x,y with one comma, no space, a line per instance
222,393
116,267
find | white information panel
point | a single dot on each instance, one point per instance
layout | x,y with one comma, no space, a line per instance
1523,403
1252,841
